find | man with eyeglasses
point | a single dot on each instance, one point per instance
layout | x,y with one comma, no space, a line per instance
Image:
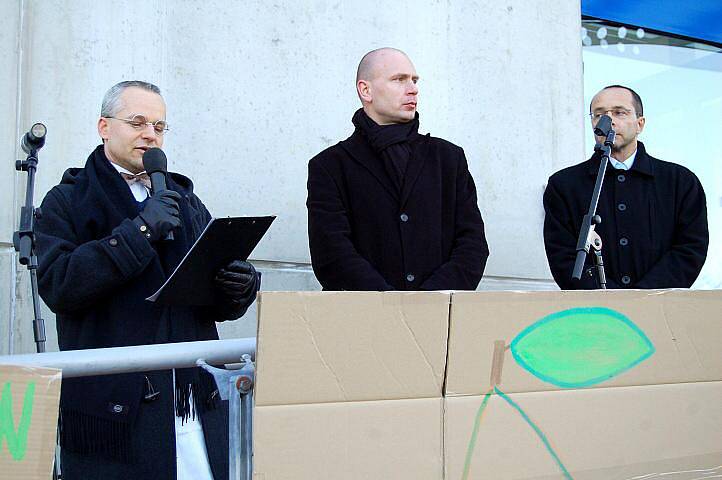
389,208
102,249
654,213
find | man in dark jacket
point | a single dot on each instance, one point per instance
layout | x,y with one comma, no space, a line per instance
102,250
388,208
654,214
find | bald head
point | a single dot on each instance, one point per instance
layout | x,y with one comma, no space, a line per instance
369,65
386,85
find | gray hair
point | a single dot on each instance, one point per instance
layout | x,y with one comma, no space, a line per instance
111,100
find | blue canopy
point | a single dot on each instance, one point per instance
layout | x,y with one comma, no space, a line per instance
696,19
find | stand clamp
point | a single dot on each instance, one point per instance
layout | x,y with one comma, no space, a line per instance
236,386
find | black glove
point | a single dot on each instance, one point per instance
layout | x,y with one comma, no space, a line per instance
160,215
238,281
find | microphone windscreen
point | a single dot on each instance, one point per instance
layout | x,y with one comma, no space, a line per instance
603,126
34,139
154,160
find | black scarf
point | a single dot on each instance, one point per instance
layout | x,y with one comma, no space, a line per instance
390,142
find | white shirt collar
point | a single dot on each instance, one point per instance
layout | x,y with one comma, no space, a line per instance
626,164
139,191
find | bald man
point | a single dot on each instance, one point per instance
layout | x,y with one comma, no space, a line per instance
388,208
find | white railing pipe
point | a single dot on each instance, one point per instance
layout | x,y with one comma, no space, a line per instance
141,358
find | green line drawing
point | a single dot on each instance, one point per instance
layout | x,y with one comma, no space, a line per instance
538,431
573,348
581,347
474,435
17,440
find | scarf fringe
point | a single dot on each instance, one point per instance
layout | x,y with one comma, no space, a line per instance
94,435
204,393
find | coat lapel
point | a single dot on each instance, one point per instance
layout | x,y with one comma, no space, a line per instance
110,189
361,152
420,150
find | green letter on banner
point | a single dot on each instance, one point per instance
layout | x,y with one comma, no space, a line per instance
17,440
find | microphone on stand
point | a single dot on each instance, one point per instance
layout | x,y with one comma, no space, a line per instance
34,139
588,238
603,126
24,238
604,129
156,166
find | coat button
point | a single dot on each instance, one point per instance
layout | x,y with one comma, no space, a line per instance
626,280
624,241
404,217
113,242
621,178
621,207
410,277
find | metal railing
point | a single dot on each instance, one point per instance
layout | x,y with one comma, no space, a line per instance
234,385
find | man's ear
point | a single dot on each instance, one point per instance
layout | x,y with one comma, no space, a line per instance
364,91
103,127
640,124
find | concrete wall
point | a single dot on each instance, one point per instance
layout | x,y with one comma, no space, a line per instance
254,89
10,40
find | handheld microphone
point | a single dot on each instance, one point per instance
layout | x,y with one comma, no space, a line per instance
156,166
34,139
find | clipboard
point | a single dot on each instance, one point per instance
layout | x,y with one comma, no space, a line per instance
222,241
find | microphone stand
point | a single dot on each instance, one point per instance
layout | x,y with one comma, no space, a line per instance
24,242
588,238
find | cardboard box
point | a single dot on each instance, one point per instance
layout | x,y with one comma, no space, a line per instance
682,326
349,385
29,399
536,385
597,434
351,440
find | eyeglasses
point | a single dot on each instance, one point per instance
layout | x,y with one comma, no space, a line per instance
139,122
618,113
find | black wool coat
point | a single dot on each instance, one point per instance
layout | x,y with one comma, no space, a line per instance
366,235
654,223
95,270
